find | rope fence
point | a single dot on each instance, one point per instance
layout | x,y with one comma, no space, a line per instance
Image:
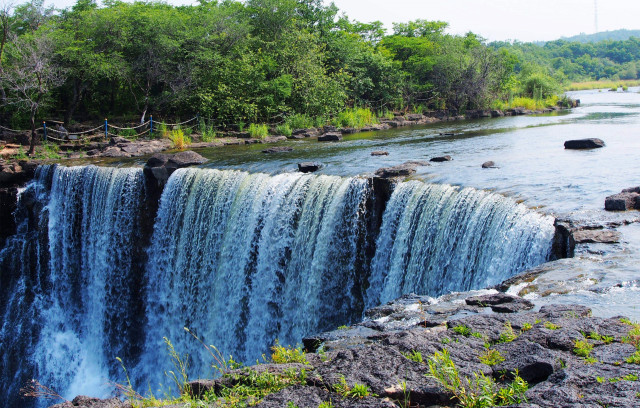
59,134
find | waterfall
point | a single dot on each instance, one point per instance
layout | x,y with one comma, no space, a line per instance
436,239
80,295
240,259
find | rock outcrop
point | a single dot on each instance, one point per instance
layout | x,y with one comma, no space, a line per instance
579,144
401,170
628,199
309,167
440,159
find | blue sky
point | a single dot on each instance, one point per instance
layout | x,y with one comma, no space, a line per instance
524,20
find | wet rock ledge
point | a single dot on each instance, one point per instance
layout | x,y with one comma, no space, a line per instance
567,357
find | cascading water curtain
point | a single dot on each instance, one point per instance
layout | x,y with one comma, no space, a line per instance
82,298
245,259
437,238
240,259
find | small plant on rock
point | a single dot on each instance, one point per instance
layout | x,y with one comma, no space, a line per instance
582,348
284,355
491,357
414,356
462,330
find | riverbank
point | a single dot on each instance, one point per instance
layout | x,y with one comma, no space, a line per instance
416,351
14,145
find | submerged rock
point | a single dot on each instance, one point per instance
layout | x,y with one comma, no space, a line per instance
330,137
441,159
488,165
380,153
591,143
278,149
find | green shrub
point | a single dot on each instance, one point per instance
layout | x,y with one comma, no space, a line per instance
414,356
284,355
462,330
258,131
491,357
582,348
355,118
299,121
284,130
480,391
357,391
178,139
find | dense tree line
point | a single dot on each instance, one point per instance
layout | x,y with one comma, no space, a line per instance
578,61
259,61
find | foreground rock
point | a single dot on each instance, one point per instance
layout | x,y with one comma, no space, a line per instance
592,143
628,199
567,357
401,170
82,401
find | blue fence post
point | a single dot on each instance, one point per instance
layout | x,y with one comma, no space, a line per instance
151,126
106,129
44,126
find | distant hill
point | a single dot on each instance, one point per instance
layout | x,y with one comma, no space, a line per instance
618,35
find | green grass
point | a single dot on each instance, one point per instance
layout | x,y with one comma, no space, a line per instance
284,355
299,121
462,330
414,356
526,103
507,335
583,86
491,357
355,118
284,130
355,391
551,326
477,392
258,131
582,348
178,139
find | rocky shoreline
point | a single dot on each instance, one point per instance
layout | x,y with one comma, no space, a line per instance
567,357
118,146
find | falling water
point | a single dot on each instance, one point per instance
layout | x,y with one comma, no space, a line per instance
240,259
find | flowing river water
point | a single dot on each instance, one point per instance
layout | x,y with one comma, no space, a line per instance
246,250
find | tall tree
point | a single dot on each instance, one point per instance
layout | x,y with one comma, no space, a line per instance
29,76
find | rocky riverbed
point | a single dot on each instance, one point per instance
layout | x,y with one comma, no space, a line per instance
567,357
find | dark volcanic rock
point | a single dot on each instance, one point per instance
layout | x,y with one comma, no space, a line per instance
583,143
441,159
160,166
311,397
628,199
401,170
278,149
330,137
82,401
488,165
587,236
309,167
500,302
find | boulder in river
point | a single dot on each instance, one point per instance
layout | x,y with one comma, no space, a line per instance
401,170
441,159
160,166
380,153
628,199
577,144
278,149
330,137
309,167
488,165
